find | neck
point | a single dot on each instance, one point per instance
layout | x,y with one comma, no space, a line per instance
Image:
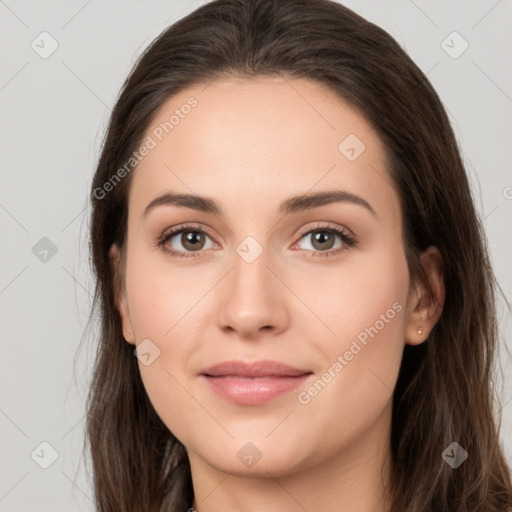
354,479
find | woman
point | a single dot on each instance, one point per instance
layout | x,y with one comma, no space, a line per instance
297,307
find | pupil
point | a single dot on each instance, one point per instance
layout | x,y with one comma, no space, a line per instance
191,240
323,239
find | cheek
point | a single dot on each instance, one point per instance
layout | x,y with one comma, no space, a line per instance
366,309
164,307
364,299
161,294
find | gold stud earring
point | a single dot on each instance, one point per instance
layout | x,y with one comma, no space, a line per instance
420,331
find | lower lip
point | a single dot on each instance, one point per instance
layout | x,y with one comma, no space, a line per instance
252,391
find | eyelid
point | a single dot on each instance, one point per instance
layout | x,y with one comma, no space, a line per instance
327,226
171,231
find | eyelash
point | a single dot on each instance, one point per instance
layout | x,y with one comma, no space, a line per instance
348,240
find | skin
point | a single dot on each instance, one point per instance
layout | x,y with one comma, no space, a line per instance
251,144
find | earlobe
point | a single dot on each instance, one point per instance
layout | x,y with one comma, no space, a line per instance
426,298
120,293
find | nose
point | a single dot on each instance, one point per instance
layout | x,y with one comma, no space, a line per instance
252,300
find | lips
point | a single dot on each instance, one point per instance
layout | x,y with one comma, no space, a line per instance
253,383
253,370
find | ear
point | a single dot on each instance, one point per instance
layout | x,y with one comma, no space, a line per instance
426,298
120,293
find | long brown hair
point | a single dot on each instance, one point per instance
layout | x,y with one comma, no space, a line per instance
445,389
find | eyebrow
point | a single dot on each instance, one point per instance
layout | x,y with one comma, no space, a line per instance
292,205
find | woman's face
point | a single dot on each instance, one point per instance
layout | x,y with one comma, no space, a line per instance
291,254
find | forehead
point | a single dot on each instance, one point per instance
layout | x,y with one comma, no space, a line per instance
237,139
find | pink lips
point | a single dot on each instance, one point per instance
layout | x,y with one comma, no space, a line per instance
253,383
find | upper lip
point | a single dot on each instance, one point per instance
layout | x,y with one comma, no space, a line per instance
253,369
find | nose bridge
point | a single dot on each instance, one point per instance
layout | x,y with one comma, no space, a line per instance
251,298
250,273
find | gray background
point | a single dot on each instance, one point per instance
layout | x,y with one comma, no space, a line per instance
54,113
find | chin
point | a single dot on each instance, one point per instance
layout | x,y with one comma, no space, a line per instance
257,458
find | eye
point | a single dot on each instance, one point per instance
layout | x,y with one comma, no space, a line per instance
326,240
184,241
190,241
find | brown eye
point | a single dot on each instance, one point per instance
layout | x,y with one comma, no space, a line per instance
186,241
192,240
322,240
